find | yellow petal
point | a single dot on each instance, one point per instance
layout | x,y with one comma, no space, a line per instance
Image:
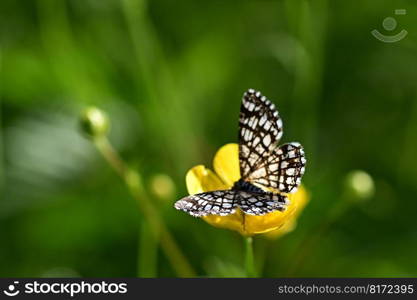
277,219
226,164
286,228
199,179
232,222
300,200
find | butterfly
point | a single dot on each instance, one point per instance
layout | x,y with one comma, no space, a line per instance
268,172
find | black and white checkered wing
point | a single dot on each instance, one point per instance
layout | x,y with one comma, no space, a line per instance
260,204
260,129
225,202
221,203
282,170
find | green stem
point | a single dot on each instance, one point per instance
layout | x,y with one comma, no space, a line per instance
249,259
2,160
147,252
150,213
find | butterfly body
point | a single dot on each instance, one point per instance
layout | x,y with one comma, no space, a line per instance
268,172
244,186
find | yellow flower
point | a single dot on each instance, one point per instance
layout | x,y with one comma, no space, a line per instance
226,164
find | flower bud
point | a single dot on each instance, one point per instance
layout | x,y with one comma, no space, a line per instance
94,122
360,185
162,186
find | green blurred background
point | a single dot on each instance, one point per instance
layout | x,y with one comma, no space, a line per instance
170,75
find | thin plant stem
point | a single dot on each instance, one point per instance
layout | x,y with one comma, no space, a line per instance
2,169
147,252
110,155
249,258
157,226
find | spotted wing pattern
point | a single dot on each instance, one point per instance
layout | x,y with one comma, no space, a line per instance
260,129
224,203
260,204
221,203
282,170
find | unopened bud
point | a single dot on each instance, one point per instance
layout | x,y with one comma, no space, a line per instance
162,186
94,122
360,185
